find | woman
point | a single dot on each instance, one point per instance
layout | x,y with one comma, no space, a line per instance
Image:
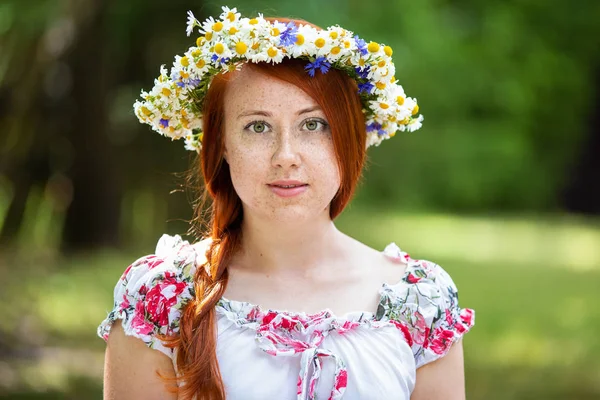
275,302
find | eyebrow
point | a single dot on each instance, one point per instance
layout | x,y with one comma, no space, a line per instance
268,114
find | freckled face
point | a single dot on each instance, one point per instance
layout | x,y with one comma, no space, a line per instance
277,136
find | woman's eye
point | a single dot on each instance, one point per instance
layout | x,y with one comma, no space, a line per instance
257,126
313,124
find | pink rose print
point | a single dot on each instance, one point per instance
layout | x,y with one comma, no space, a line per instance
299,385
341,380
269,317
125,303
405,331
139,323
460,328
412,279
153,262
466,315
421,330
161,298
442,340
449,318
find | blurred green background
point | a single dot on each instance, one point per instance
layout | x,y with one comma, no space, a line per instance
501,186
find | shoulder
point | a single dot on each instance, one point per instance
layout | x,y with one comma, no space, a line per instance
152,292
425,305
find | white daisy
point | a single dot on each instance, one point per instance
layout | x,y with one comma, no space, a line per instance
191,23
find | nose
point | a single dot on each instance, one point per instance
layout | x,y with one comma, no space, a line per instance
286,153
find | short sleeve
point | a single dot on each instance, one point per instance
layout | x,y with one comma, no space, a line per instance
425,305
152,292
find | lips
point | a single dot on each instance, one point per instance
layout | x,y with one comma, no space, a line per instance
288,188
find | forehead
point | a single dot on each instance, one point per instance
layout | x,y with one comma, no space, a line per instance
250,89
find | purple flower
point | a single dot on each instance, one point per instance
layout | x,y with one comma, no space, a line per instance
375,126
363,72
361,44
164,122
320,63
288,36
366,87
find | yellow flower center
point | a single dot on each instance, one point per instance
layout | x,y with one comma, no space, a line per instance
392,134
241,47
333,35
388,51
347,44
380,85
146,111
272,52
384,106
400,100
373,47
253,21
184,123
393,79
172,129
200,41
415,110
184,75
201,63
299,39
196,53
183,112
255,45
166,92
405,121
185,61
231,16
208,35
233,30
320,42
219,48
381,64
392,118
217,26
275,32
361,62
336,50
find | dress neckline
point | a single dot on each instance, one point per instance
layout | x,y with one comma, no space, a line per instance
247,312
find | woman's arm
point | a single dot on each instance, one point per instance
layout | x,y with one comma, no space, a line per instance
443,378
130,369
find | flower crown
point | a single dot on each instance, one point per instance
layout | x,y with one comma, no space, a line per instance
173,106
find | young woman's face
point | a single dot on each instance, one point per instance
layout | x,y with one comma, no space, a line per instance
279,149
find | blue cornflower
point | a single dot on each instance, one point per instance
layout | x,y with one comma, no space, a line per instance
361,44
366,87
320,63
288,36
375,126
214,58
363,72
164,122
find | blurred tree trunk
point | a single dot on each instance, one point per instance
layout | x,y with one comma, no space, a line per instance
582,194
92,219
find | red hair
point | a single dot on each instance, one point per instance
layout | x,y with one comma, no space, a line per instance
337,95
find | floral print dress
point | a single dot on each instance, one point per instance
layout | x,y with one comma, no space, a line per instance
271,354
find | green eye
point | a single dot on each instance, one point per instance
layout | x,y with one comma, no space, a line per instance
259,127
312,125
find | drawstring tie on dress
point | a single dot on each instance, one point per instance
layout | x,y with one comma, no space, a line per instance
281,345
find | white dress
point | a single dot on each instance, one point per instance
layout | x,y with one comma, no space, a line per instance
272,354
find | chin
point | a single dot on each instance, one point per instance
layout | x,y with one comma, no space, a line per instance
292,214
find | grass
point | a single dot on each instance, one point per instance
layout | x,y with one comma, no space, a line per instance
532,281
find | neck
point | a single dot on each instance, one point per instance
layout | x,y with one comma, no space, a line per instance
274,247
